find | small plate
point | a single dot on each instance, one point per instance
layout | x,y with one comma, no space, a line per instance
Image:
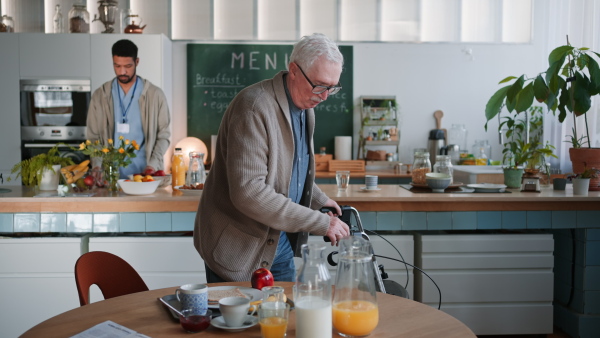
190,192
252,294
487,187
451,186
369,190
219,322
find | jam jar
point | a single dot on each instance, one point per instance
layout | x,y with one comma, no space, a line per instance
421,166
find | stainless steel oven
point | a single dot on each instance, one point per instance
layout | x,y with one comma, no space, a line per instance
53,111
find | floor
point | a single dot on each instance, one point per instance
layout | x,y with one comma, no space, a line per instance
557,334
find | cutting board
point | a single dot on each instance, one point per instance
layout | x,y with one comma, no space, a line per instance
438,114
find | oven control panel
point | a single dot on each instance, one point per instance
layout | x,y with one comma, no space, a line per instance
52,133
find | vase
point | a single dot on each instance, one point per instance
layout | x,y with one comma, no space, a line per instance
50,179
512,178
111,175
586,157
581,186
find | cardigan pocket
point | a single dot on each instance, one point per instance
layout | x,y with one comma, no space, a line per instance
235,248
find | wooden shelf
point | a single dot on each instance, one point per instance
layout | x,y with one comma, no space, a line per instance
382,143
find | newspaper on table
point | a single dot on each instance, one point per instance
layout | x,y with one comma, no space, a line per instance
109,329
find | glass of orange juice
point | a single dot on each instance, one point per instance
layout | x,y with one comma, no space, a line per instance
273,319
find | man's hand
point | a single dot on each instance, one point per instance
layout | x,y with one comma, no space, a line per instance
337,229
331,203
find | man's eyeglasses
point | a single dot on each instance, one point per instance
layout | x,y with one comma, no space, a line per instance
321,89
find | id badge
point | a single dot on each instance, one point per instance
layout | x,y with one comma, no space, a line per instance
123,128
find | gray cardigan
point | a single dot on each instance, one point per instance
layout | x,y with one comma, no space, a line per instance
244,205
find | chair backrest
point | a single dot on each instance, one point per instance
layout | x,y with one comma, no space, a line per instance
113,275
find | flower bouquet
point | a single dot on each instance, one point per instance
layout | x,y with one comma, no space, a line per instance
113,157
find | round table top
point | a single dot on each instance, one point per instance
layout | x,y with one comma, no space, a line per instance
144,313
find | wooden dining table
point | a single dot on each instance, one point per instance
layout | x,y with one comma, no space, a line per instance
144,313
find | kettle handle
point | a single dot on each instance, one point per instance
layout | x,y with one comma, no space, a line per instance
444,150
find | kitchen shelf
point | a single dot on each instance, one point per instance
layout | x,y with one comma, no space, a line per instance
382,143
381,112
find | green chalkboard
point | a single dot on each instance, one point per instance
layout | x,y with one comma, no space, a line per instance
217,72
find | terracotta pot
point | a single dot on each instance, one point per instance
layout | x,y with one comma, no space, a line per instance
589,157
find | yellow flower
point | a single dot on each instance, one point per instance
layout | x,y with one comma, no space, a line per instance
136,146
82,146
97,142
88,142
110,141
126,142
105,150
121,137
121,150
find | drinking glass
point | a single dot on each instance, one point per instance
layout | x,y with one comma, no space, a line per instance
273,319
342,178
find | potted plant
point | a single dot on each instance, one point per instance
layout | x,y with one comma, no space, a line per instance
523,149
582,179
41,170
569,83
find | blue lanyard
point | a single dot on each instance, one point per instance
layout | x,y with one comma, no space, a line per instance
123,110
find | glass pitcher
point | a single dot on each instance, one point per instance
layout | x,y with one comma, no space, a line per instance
312,294
196,172
355,311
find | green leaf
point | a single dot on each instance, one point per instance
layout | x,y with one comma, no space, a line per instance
554,69
563,100
513,91
581,95
506,79
492,108
559,53
540,89
524,98
594,69
551,101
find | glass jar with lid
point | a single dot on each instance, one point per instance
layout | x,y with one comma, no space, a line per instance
7,25
421,166
443,165
79,18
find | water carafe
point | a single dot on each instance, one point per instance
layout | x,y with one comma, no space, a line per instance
312,294
196,172
355,311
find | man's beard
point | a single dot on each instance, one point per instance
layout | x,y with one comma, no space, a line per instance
124,79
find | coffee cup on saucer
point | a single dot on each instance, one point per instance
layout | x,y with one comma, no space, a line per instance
371,182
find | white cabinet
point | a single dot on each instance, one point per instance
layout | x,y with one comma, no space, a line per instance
36,281
161,261
154,52
55,56
10,151
497,284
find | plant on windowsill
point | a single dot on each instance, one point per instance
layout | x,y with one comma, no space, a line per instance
581,180
47,164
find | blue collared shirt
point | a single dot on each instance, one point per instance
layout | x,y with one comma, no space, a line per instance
127,108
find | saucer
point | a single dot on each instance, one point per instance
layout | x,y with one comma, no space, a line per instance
219,322
367,190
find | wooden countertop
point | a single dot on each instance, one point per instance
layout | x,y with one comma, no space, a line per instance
390,198
380,173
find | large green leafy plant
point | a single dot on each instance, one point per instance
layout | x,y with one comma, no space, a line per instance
569,83
31,169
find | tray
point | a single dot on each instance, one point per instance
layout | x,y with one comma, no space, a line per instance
350,165
451,186
189,192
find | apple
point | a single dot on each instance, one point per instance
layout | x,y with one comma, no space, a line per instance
89,181
262,277
159,173
148,172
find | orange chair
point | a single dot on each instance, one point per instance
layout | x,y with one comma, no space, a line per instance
113,275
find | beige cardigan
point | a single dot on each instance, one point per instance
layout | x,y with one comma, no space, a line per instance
244,205
156,120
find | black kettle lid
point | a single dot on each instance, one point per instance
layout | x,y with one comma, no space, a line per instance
436,134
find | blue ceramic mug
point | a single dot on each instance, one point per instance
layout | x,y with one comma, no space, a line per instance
193,296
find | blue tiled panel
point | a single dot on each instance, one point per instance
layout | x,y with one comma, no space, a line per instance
489,220
132,222
588,219
414,220
439,220
592,255
464,220
369,220
158,221
539,219
592,302
54,222
106,222
26,222
183,221
589,326
6,222
79,222
564,219
389,220
592,234
514,219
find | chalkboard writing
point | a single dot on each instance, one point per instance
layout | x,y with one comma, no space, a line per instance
217,72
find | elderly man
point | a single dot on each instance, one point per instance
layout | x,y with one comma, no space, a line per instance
260,200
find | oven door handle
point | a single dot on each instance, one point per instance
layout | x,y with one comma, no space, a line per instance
48,145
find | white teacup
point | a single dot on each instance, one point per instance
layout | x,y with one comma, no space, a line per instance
371,181
193,296
235,310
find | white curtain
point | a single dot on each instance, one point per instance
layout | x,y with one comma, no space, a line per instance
580,20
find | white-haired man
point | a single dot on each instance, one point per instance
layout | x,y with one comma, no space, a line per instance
260,201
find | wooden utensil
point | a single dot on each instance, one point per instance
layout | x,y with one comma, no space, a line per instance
438,114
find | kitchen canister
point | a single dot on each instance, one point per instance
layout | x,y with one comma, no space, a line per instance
343,147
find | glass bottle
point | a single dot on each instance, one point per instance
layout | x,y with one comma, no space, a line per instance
443,165
312,294
79,18
458,135
59,23
355,310
481,158
178,168
196,173
7,25
421,166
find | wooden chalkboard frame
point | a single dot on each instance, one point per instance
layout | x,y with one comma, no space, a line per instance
217,72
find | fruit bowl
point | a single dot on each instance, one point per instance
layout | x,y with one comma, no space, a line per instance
164,180
138,188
